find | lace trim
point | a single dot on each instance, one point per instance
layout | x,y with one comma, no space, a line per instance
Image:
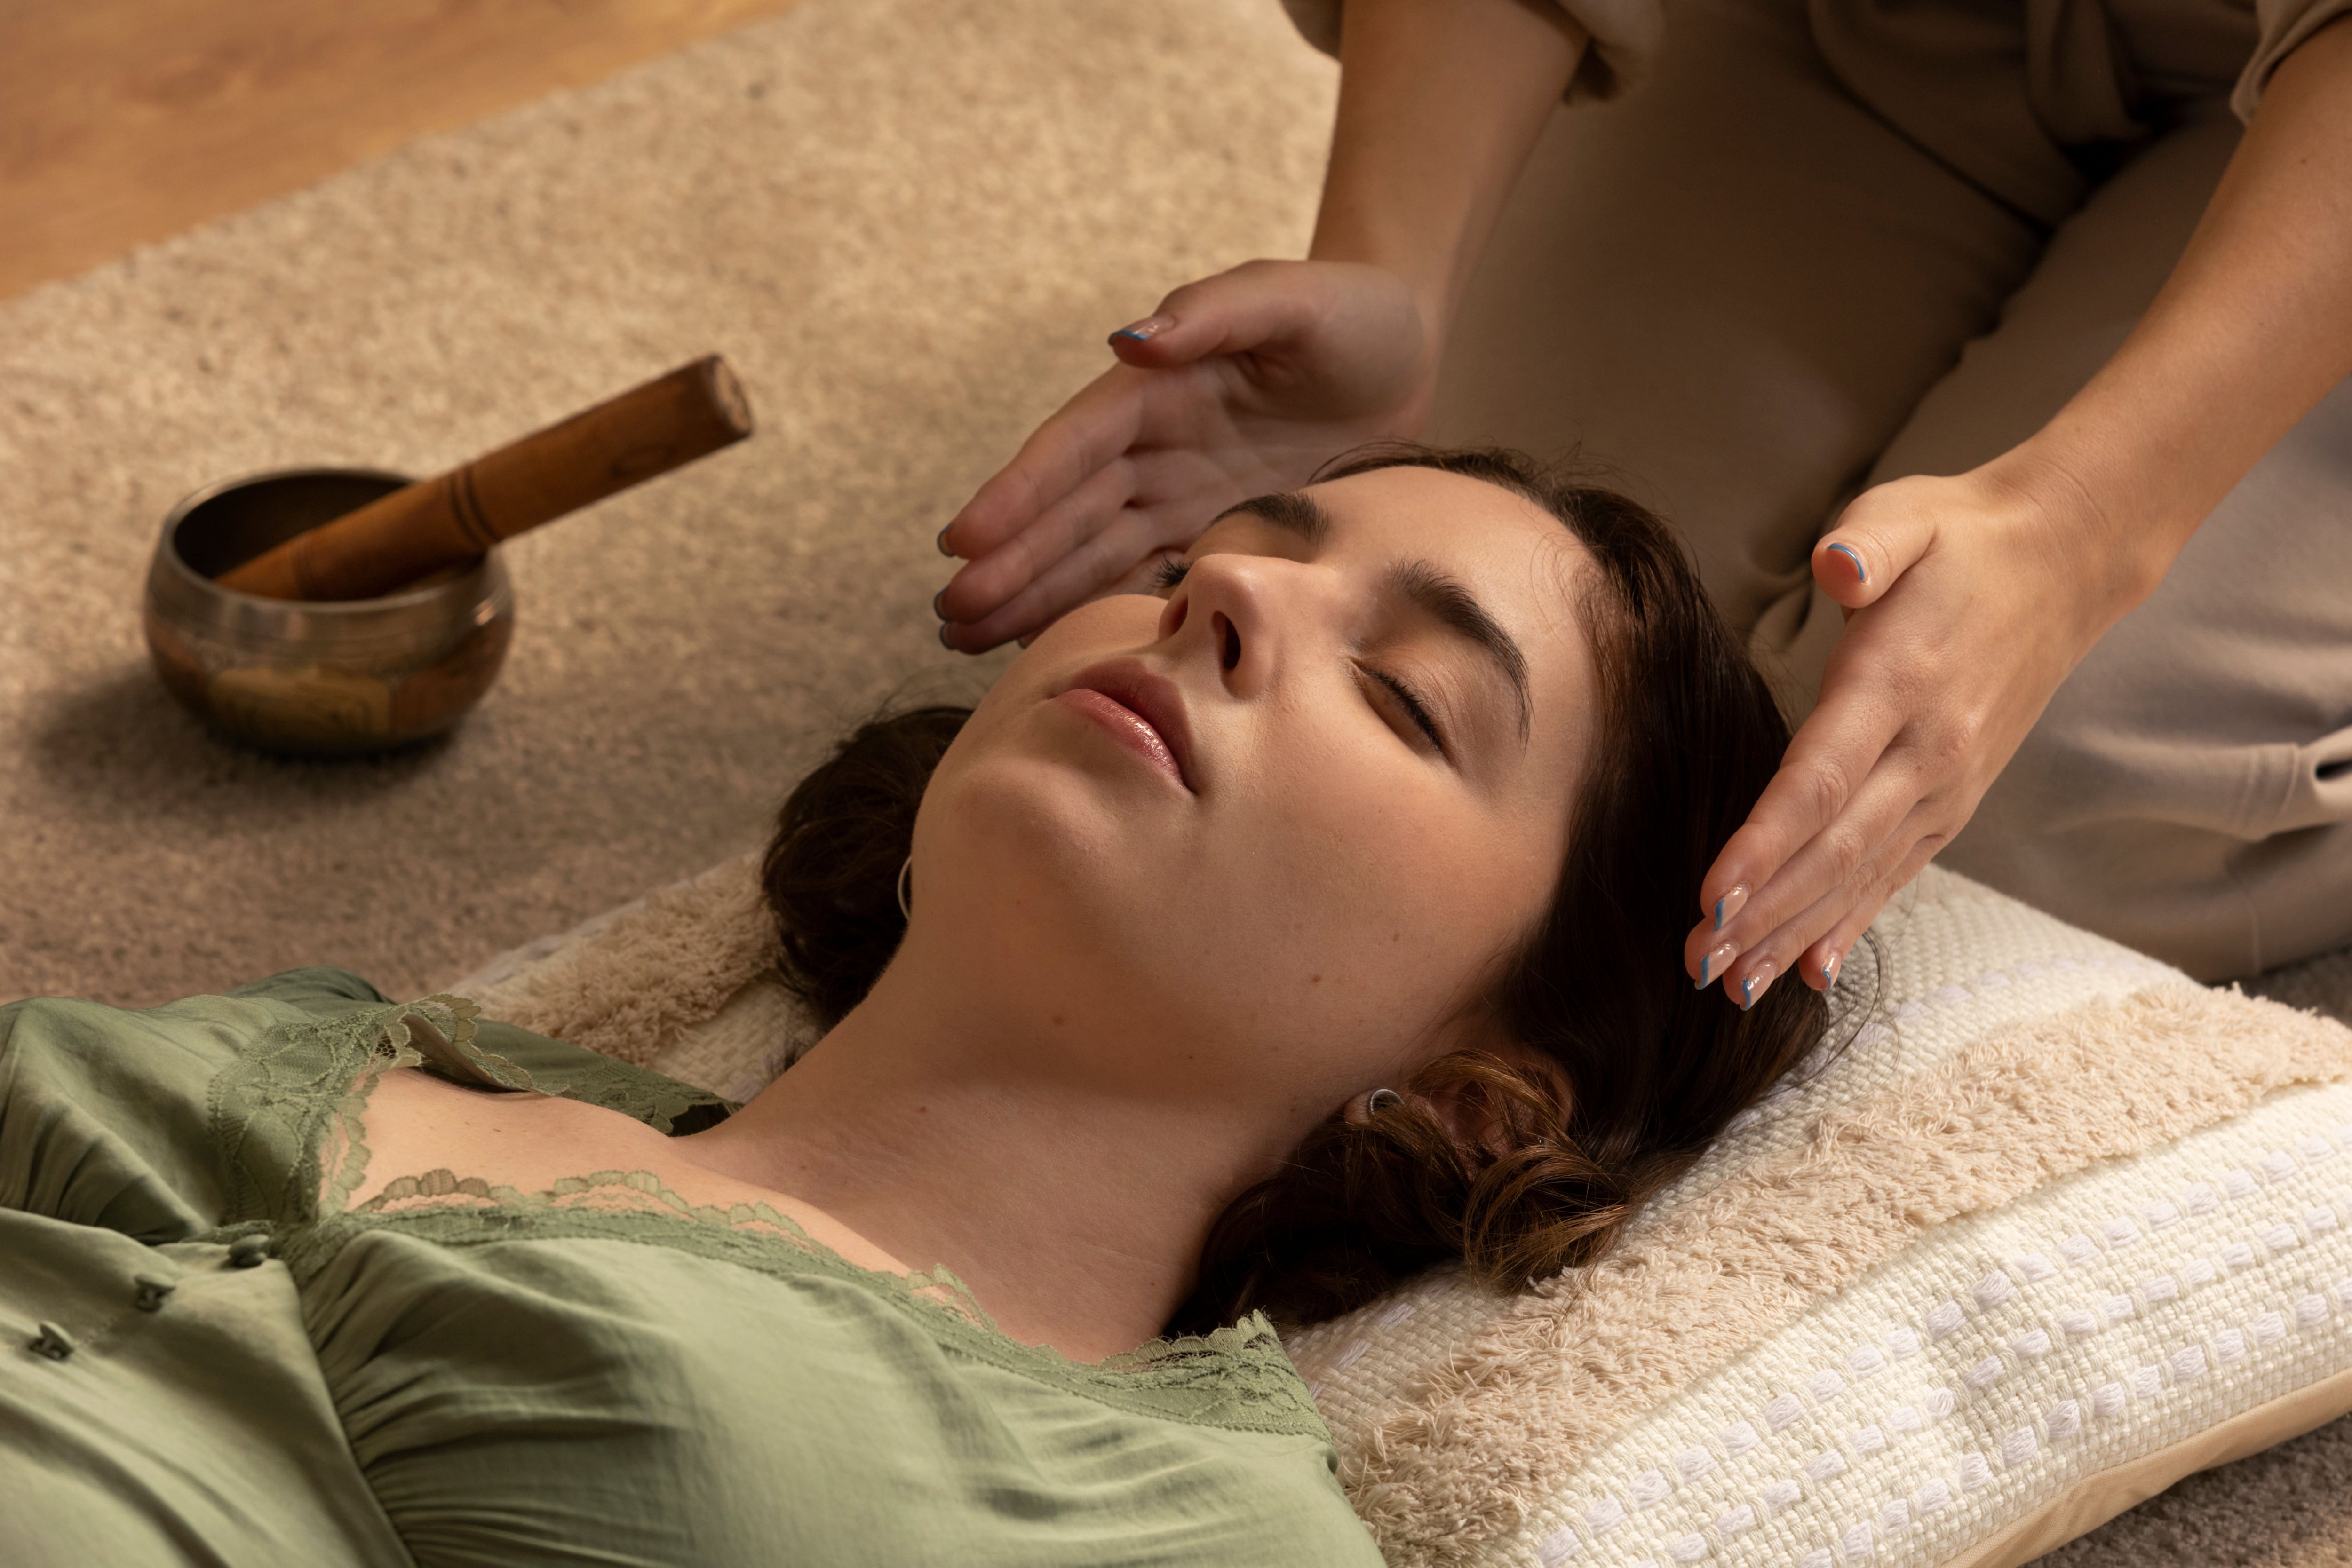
304,1087
668,1108
454,1049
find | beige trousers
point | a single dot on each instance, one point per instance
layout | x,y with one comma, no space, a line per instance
1742,295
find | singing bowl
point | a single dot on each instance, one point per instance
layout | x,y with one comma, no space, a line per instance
317,679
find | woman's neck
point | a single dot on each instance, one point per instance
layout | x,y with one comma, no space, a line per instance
937,1130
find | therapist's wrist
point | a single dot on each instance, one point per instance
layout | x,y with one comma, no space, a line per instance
2116,543
1422,271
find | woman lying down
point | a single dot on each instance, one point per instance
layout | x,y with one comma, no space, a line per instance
1310,921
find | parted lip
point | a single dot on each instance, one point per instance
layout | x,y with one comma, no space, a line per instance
1151,697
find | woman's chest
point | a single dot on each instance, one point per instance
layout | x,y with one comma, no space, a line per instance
536,1400
415,1124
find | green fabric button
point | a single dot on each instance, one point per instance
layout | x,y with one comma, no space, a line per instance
249,1251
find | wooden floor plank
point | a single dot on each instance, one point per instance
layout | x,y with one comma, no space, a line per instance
123,121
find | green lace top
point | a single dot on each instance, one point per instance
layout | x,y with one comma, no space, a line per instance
223,1360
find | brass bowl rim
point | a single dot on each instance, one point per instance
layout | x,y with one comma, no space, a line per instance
168,550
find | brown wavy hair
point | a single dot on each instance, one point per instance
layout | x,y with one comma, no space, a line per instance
1514,1169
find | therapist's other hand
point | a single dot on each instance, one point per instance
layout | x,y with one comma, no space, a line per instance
1237,385
1968,599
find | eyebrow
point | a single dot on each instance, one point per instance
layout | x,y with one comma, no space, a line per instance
1444,601
1434,593
1288,510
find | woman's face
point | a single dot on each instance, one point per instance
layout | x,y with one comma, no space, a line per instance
1266,832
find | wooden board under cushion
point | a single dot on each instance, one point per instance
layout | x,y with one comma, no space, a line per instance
124,121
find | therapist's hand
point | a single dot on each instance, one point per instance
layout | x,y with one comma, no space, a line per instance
1970,599
1237,385
1967,601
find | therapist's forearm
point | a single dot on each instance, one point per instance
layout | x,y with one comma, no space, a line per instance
2252,328
1440,103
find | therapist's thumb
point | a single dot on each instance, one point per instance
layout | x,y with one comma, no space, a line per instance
1878,538
1254,306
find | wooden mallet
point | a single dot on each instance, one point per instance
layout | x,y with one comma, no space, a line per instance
456,517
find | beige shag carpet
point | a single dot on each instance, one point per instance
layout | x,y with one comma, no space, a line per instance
908,224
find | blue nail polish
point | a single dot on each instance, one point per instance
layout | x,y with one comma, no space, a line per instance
1748,993
942,541
1132,336
938,612
1718,914
1705,963
1860,571
951,647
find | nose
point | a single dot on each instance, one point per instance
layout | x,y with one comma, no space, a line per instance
1237,613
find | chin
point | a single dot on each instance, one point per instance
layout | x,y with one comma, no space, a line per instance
1044,906
1040,857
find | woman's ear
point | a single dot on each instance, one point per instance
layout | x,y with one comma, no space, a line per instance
1486,1089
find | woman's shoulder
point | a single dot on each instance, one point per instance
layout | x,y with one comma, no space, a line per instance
1230,1412
318,991
322,989
146,1119
106,1112
102,1056
1237,1378
457,1042
496,1054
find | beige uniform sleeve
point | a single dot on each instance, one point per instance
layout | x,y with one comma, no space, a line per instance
2283,26
1626,34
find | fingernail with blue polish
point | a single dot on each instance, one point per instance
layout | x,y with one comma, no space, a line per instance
942,542
1754,986
1715,962
1861,572
1748,993
935,611
1728,906
1143,331
951,647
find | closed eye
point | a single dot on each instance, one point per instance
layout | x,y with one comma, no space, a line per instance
1400,697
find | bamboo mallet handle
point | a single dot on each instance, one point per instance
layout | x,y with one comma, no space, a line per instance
456,517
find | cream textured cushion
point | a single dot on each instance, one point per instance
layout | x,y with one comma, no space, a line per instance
678,981
2056,1227
2056,1213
